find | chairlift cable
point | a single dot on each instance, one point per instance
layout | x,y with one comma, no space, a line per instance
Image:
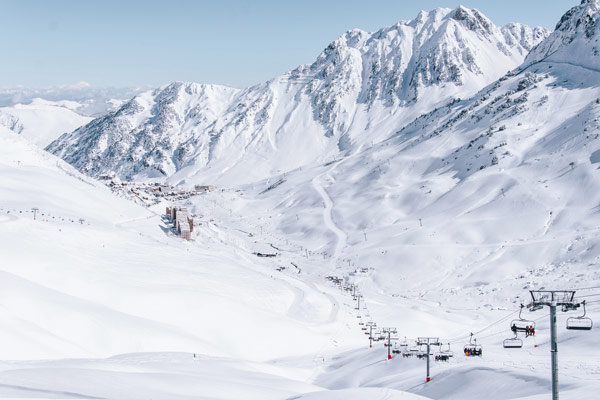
588,295
459,338
588,288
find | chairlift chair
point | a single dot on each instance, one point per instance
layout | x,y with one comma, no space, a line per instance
522,325
412,351
449,353
444,355
512,343
472,349
581,323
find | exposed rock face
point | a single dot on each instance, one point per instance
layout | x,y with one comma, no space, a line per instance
360,90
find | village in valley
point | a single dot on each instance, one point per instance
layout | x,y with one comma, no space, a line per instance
151,193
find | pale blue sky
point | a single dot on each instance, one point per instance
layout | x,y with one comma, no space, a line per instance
231,42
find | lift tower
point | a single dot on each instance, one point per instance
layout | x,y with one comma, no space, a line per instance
389,332
371,325
428,341
553,298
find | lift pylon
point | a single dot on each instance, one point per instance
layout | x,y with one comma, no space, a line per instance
428,341
371,325
552,299
389,332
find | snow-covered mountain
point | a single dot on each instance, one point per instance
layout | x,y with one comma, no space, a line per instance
42,121
445,222
359,91
92,101
42,115
480,191
575,40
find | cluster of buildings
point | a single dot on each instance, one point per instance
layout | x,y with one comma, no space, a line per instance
184,224
152,193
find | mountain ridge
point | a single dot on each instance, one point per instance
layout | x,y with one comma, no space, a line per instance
358,90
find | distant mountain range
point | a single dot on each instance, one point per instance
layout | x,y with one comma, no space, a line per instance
360,90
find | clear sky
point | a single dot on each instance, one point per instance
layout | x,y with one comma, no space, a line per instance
231,42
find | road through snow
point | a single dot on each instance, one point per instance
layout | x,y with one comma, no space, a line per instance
328,218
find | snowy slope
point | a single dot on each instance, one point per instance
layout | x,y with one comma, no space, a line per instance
358,91
444,223
43,121
503,184
96,276
456,217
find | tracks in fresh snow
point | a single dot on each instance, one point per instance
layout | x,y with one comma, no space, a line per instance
327,216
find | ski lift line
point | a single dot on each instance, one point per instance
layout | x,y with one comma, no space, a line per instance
588,295
461,338
588,288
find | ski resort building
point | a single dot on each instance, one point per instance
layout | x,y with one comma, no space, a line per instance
184,224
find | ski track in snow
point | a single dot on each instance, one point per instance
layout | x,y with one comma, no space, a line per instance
328,217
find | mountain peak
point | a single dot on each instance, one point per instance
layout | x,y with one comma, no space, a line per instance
416,65
576,36
472,19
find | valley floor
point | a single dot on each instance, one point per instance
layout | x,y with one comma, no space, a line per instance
212,320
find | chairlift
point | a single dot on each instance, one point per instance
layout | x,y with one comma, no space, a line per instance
535,307
472,349
447,352
581,323
404,343
444,355
522,325
422,352
413,351
512,343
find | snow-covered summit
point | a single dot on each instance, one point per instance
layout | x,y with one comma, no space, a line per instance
42,121
359,90
576,39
